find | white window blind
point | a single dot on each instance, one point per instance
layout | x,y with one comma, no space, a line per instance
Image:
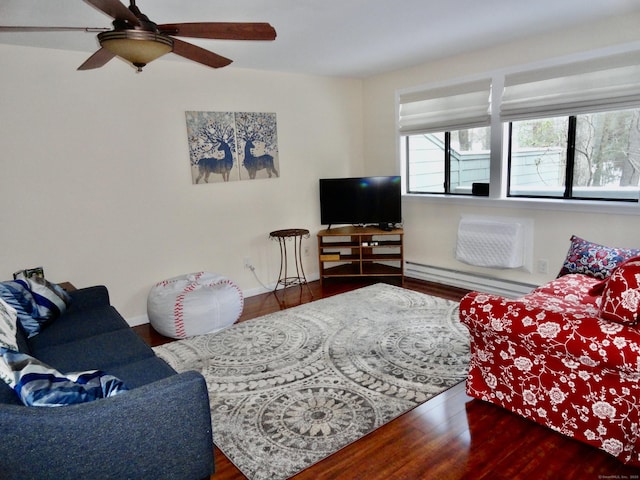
610,83
453,107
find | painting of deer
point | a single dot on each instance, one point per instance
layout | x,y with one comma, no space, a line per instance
215,143
253,163
214,164
212,146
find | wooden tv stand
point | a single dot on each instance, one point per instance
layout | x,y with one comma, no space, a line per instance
360,252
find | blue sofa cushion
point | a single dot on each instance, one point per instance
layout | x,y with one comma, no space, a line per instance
141,372
38,384
78,324
101,351
8,395
21,339
89,297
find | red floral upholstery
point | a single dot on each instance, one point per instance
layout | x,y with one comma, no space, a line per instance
621,295
550,357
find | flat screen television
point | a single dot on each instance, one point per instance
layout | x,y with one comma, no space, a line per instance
361,201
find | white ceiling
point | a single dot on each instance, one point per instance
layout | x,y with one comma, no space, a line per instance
353,38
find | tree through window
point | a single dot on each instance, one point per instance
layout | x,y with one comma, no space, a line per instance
591,156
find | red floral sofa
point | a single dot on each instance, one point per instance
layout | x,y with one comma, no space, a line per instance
567,355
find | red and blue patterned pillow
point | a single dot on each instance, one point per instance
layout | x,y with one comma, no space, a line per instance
593,259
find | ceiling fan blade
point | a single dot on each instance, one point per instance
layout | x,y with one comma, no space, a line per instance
51,29
220,30
200,55
115,9
97,60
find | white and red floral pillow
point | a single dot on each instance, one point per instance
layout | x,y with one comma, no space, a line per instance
621,294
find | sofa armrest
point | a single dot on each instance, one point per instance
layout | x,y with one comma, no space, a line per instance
161,430
550,326
89,297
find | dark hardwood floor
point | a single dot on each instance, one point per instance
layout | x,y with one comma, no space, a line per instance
452,436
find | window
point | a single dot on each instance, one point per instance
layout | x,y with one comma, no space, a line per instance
538,153
446,135
587,156
447,162
564,131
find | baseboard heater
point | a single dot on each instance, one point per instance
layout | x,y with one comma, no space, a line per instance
467,280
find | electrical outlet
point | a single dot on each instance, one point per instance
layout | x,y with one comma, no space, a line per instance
543,265
247,263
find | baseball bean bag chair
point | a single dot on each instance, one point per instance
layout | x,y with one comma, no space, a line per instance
194,304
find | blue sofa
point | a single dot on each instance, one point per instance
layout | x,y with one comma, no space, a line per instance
159,429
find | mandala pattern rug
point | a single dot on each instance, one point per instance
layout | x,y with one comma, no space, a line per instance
292,387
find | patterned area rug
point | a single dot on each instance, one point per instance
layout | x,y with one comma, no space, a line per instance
291,388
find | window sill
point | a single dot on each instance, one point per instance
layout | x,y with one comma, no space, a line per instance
575,206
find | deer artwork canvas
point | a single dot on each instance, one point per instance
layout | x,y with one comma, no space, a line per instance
232,146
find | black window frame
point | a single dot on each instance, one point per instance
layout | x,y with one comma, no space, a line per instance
569,169
447,168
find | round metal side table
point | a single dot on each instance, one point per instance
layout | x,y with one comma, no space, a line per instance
295,235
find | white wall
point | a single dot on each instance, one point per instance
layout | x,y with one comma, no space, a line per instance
431,227
96,186
96,183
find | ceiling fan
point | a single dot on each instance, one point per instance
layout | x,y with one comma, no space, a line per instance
138,40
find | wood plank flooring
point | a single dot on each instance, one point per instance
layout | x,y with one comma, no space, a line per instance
450,437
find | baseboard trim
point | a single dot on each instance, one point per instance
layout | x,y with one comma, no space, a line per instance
143,319
429,273
138,320
467,280
269,288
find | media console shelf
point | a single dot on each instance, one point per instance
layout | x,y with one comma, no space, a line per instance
360,252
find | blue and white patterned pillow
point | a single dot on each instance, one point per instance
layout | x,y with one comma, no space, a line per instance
8,327
50,300
19,298
37,384
36,300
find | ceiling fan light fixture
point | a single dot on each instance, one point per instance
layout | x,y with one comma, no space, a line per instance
136,46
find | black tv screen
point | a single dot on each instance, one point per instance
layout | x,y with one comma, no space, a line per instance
361,201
